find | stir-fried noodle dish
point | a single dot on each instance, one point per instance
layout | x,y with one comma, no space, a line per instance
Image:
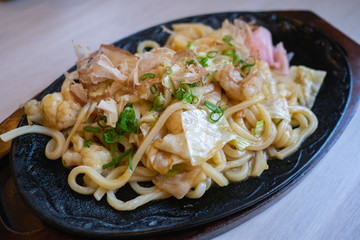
208,108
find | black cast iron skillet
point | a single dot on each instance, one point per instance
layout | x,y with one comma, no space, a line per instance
42,183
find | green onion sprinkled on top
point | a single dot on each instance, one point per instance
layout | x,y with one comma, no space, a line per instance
217,111
212,54
87,143
92,129
153,89
147,75
259,128
227,39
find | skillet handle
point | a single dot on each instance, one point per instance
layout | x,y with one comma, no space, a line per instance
8,124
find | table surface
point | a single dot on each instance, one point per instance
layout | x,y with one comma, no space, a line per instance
36,47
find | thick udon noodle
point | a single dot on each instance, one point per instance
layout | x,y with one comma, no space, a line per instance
281,135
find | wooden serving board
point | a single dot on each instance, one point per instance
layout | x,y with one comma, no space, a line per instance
18,222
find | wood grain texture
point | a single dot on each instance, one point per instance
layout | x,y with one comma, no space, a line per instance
33,33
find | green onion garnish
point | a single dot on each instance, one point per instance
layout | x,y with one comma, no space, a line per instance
221,104
127,122
191,61
184,94
173,171
111,136
153,89
216,110
92,129
215,116
229,53
190,98
190,45
247,65
87,143
212,54
278,123
168,70
147,75
117,159
259,128
158,102
212,106
130,160
202,61
237,61
227,39
103,118
195,84
235,57
240,143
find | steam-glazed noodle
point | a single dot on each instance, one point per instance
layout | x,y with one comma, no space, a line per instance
208,108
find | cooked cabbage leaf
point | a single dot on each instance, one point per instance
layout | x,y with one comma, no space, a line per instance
310,81
203,137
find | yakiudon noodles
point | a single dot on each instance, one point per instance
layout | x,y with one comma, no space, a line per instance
208,108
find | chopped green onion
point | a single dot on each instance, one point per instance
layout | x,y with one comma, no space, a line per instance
147,75
111,136
92,129
195,84
259,128
87,143
189,97
212,107
184,94
116,160
196,99
216,111
202,61
221,102
158,102
235,57
247,65
179,93
227,39
153,89
127,121
102,117
237,61
215,116
130,160
278,123
240,143
229,53
190,45
191,61
212,54
168,70
173,171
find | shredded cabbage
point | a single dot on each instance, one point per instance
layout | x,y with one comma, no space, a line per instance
203,137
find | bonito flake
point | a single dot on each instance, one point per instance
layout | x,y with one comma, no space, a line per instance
204,138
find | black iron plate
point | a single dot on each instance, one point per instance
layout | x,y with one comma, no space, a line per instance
43,183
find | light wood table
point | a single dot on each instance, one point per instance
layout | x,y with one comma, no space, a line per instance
36,48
